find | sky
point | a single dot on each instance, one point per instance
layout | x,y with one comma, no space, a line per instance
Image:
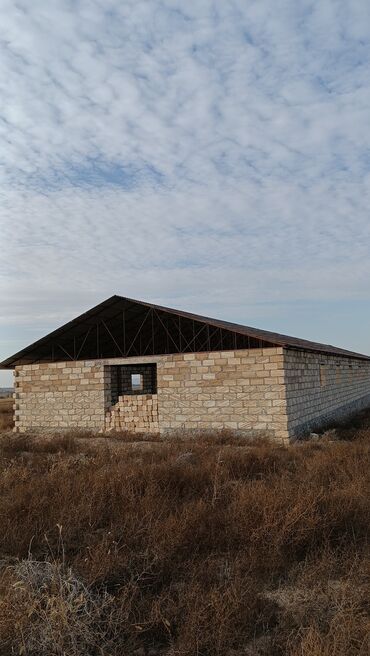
205,155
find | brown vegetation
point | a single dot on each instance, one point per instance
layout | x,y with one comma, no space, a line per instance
191,548
6,414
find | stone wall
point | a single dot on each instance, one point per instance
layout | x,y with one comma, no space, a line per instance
322,388
270,391
136,413
240,390
59,395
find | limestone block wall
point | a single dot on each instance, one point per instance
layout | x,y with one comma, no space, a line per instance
240,390
59,395
137,413
322,388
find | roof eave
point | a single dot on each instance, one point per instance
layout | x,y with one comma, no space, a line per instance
273,339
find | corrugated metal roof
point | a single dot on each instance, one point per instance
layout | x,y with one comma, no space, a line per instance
102,310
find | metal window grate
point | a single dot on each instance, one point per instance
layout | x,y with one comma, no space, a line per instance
133,379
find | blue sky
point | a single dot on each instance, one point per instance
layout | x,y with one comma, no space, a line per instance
212,156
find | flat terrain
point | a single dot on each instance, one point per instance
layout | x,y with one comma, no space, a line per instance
205,547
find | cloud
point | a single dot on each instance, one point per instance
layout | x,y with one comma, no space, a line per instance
207,155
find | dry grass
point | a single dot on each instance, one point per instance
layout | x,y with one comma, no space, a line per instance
255,550
6,414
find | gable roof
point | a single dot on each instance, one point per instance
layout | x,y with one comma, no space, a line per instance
106,315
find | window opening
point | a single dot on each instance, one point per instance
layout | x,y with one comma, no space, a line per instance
132,379
137,382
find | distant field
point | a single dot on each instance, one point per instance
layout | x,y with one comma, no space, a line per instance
185,548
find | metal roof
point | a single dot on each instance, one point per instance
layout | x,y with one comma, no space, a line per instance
268,336
108,309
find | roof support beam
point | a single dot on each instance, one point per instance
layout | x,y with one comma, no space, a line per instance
138,332
116,343
192,341
167,332
120,327
83,343
124,330
207,342
65,351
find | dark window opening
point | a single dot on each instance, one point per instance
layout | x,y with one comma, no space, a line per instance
133,379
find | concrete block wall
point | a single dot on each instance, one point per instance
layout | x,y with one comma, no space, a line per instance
59,395
240,390
136,413
274,391
323,388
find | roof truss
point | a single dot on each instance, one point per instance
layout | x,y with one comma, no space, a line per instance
123,327
120,327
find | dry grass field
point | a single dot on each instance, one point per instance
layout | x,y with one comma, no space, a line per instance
6,414
203,547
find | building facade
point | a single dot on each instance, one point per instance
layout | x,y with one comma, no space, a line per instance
143,368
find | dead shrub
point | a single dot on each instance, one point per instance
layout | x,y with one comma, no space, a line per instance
326,610
18,444
131,436
229,548
6,414
47,610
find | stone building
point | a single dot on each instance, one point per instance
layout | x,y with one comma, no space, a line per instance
131,365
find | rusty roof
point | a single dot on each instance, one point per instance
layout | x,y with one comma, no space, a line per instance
104,310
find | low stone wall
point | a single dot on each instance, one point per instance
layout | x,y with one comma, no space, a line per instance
323,388
136,413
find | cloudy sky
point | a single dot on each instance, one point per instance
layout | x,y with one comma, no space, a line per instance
208,155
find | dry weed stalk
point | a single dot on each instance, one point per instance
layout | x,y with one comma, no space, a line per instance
257,550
